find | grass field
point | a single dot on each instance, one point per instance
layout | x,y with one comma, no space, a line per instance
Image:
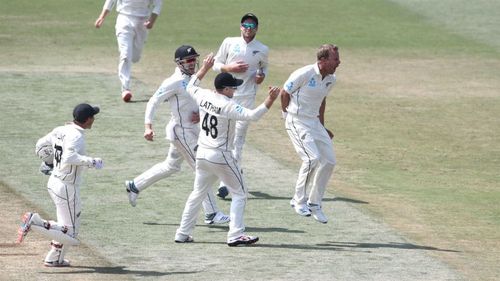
415,113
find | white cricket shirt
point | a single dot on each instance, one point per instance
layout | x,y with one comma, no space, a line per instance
307,89
255,53
70,161
218,115
182,105
136,8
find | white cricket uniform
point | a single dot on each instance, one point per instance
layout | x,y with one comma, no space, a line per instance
180,130
255,54
307,90
214,160
68,142
131,34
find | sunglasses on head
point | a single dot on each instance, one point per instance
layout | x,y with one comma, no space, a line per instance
249,25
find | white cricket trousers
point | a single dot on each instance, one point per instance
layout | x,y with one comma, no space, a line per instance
182,147
240,130
315,149
64,231
131,34
213,165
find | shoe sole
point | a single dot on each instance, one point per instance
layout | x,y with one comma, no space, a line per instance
23,230
49,264
189,240
245,242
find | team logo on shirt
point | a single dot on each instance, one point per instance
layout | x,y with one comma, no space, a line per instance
184,84
328,84
312,83
239,109
289,86
255,52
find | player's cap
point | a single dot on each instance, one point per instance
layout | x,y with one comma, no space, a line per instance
224,79
185,52
84,111
250,16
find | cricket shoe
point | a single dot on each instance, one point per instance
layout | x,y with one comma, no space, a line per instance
216,218
126,95
27,220
242,240
300,208
182,238
317,213
64,263
132,192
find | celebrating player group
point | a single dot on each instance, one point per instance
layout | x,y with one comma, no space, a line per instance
207,129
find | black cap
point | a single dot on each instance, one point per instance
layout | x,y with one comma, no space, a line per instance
225,79
185,52
84,111
250,16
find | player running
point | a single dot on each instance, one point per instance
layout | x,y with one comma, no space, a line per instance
182,131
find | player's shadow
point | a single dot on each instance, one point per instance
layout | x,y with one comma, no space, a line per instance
117,270
226,227
257,195
395,245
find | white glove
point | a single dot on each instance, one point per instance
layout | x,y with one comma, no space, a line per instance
97,163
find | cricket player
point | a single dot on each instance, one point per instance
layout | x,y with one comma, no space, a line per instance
182,131
66,144
134,19
214,159
303,101
247,59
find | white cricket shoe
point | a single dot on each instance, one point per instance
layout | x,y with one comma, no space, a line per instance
300,208
317,213
242,240
182,238
216,218
64,263
132,192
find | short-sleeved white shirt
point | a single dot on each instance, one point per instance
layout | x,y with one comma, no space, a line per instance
218,116
307,89
255,54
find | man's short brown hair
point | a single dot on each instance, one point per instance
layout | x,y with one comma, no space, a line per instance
324,51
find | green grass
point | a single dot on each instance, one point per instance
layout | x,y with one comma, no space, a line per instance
415,111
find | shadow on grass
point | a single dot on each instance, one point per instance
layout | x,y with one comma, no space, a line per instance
117,270
226,227
395,245
261,195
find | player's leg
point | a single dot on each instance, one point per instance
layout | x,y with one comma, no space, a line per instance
141,34
321,178
186,141
125,39
308,152
204,179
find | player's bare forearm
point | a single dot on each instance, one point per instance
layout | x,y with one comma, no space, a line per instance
148,132
100,20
